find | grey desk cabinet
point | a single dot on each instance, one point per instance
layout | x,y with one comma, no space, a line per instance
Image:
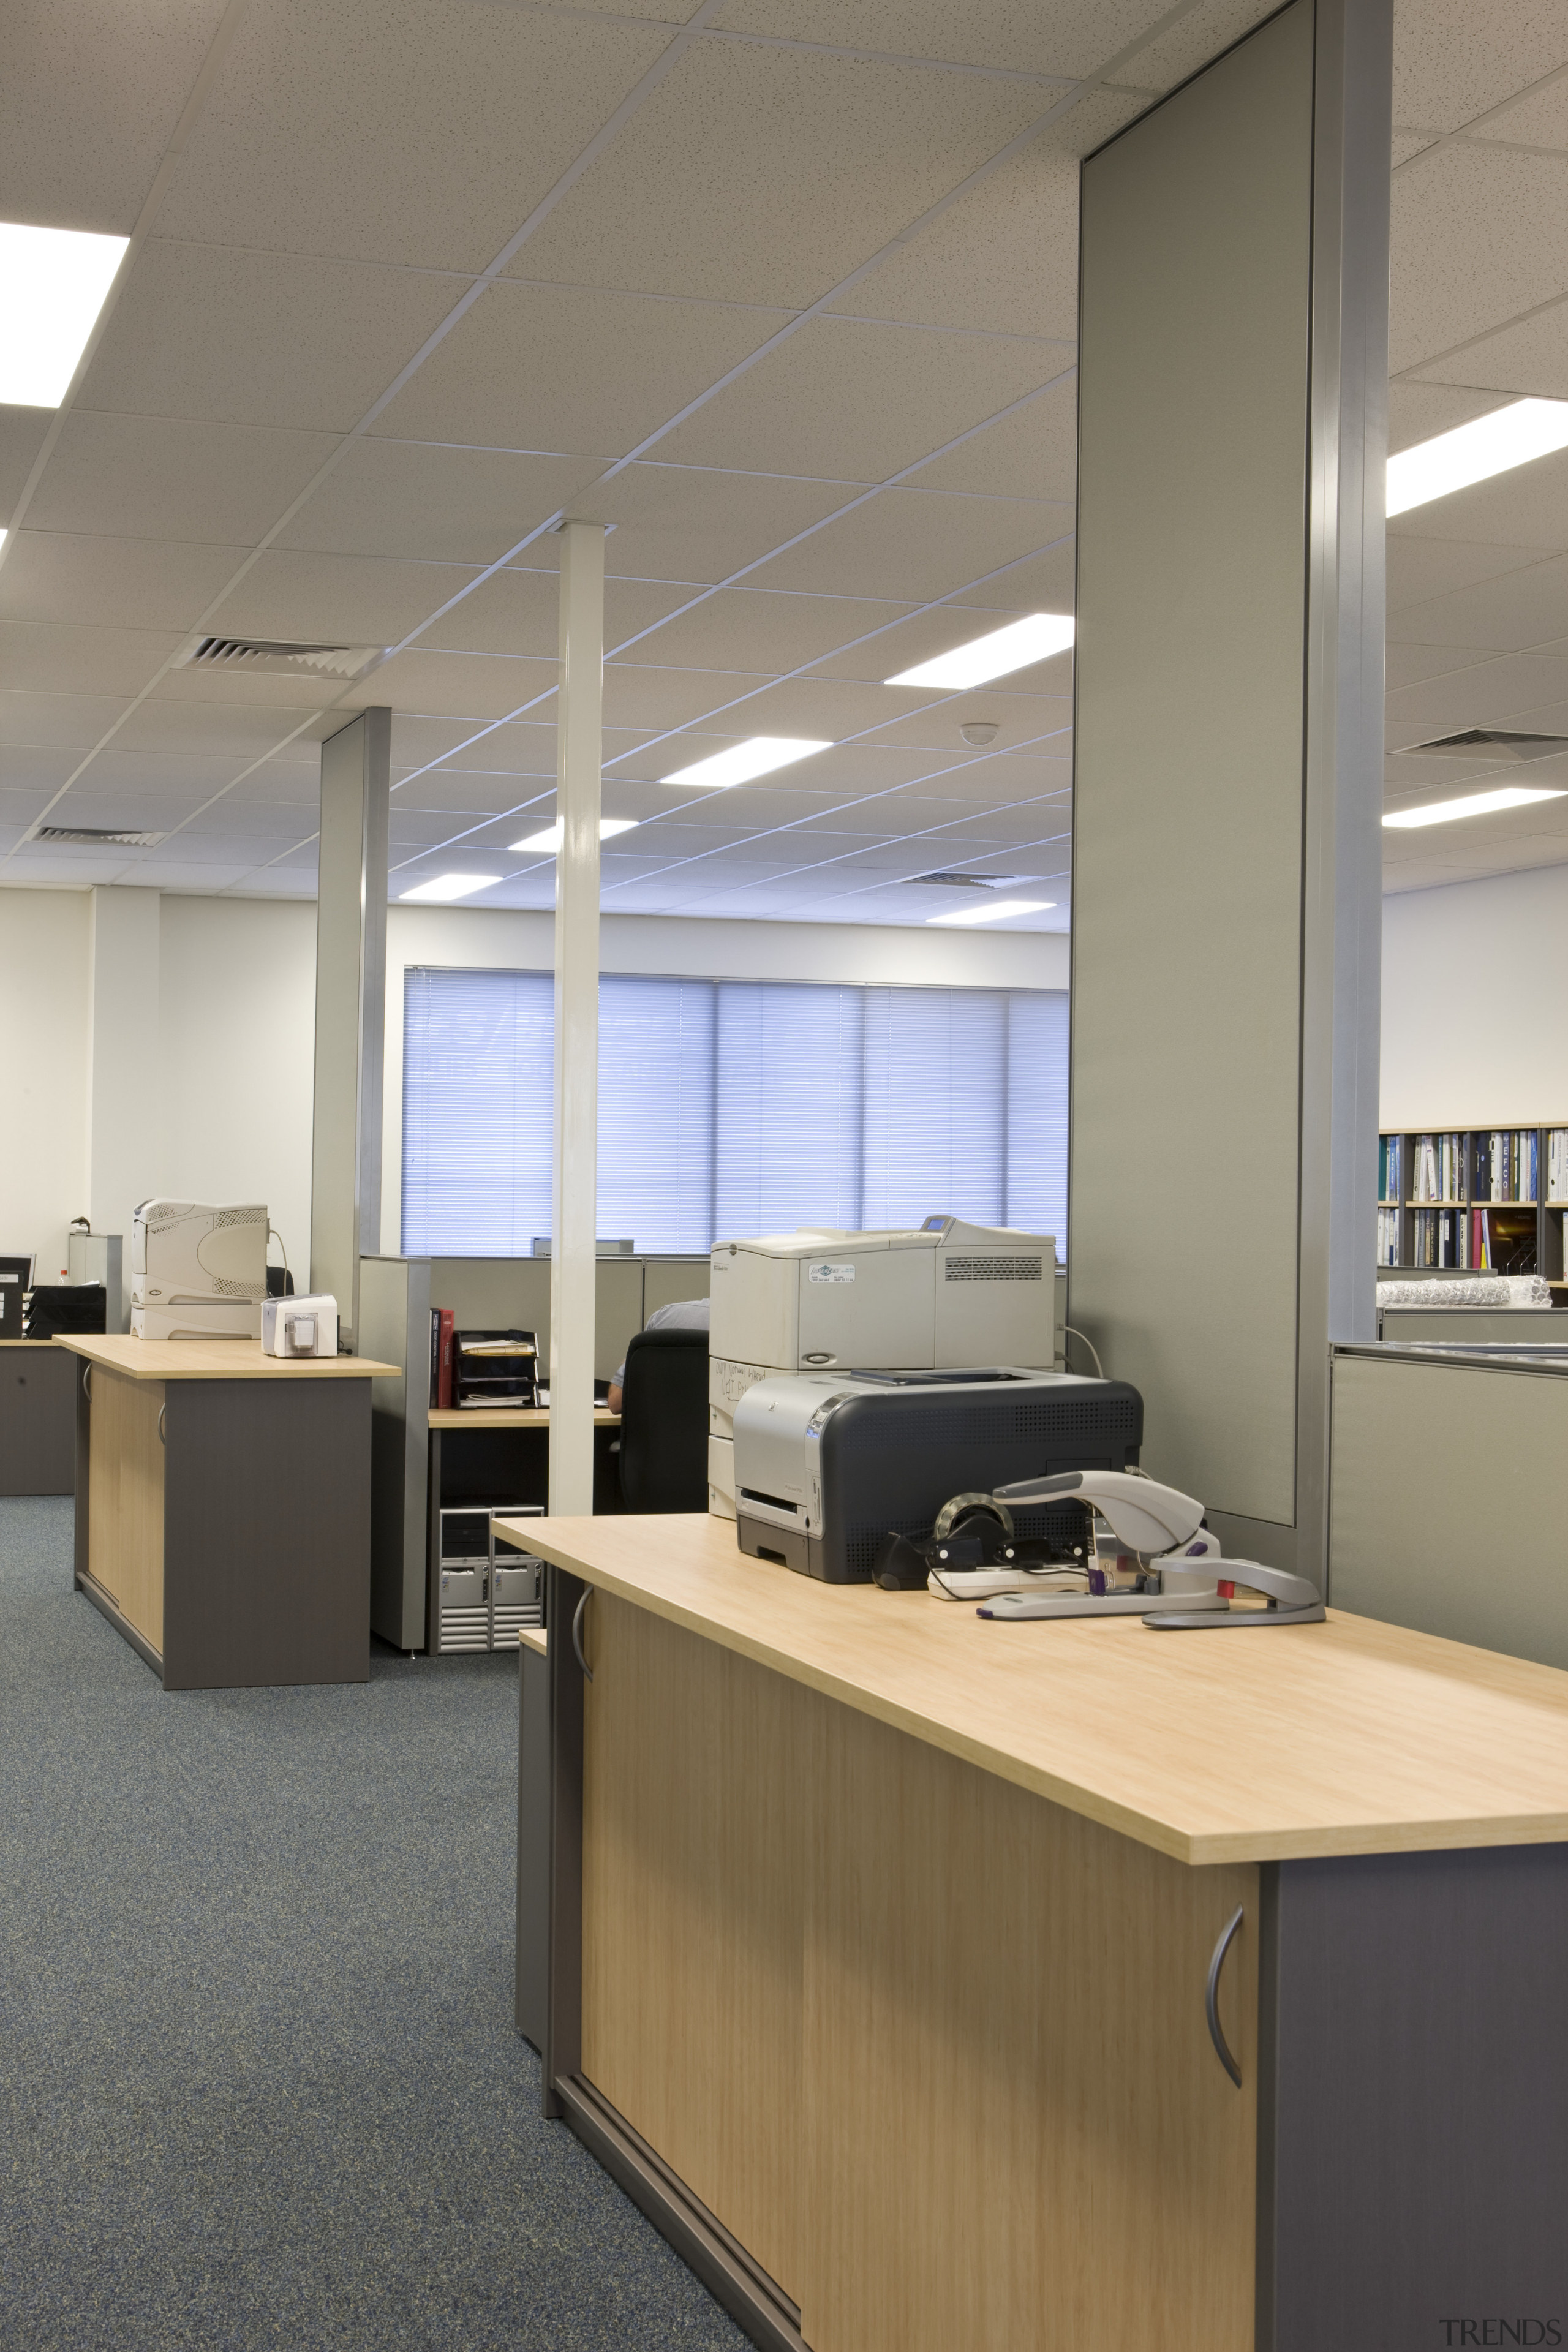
37,1418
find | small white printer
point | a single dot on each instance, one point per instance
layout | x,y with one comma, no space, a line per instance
299,1326
198,1272
932,1297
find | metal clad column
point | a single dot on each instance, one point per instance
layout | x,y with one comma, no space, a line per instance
351,1009
1233,298
574,1206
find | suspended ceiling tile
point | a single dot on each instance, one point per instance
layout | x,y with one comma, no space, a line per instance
1526,507
242,732
1419,568
422,132
469,794
1004,258
45,657
848,398
1525,607
415,740
1532,357
1481,697
1540,120
261,337
701,524
351,599
1410,774
910,544
639,695
568,368
813,707
282,699
89,101
1068,41
1035,719
111,582
34,768
1046,583
202,876
1418,409
1407,144
472,685
22,432
73,722
162,477
935,629
1198,35
1033,454
1409,665
1454,58
189,777
752,629
434,505
519,612
848,153
1479,234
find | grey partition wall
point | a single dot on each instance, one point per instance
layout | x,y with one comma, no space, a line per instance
395,1329
1233,367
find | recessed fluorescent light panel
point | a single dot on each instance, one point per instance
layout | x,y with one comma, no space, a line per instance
758,756
996,655
994,910
1471,805
52,285
1474,452
448,886
548,843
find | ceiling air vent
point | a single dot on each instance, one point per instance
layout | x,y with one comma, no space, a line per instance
973,881
275,654
1498,741
98,836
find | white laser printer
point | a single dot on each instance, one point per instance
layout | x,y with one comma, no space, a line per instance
934,1295
198,1272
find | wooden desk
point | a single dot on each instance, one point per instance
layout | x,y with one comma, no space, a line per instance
223,1507
38,1418
880,1936
525,1416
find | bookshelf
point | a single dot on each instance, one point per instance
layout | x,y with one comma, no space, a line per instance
1484,1198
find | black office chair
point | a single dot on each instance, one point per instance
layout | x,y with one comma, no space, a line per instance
664,1423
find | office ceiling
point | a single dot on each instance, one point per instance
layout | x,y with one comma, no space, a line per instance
785,291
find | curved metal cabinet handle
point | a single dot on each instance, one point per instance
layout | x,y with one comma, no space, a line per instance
87,1383
1211,1999
163,1409
587,1595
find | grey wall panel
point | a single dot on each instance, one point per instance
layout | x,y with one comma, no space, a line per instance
515,1291
351,1007
395,1329
1449,1511
1186,871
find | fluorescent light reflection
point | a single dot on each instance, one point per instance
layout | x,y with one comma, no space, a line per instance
994,911
1507,796
1031,639
52,285
445,887
548,843
758,756
1474,452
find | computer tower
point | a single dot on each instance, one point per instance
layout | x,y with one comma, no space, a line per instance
486,1591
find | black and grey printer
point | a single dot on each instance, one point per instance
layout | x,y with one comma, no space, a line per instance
828,1463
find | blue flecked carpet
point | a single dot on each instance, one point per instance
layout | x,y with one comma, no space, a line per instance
259,2083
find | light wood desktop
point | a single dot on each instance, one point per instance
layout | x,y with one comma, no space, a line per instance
880,1940
223,1507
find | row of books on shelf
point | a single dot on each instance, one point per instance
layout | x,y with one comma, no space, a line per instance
481,1370
1502,1165
1474,1240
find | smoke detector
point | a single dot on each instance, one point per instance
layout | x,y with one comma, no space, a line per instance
98,836
278,655
1498,741
979,730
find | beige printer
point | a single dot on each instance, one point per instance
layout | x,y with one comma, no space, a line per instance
940,1294
198,1272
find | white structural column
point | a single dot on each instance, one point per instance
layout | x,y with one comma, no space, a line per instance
124,1138
579,755
351,1009
1227,781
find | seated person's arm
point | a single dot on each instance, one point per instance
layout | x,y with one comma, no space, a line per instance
613,1402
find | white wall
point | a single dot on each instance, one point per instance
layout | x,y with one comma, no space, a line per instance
44,1041
1474,1003
213,1029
